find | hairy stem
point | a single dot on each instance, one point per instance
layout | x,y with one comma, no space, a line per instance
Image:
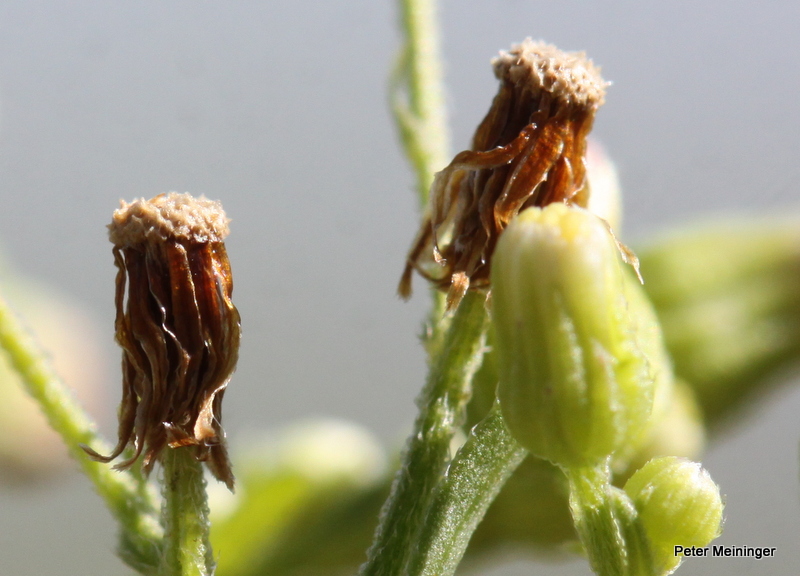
427,452
478,472
417,95
184,515
601,518
455,345
128,499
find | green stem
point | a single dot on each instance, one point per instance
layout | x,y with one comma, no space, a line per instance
606,522
427,453
454,345
417,102
184,516
478,472
416,93
130,501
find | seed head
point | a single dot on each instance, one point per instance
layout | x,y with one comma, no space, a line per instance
528,151
178,329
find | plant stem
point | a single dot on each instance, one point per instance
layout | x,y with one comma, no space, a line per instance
601,518
478,472
130,501
426,456
416,96
455,345
184,516
416,93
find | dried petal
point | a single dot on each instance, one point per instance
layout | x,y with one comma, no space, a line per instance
528,151
177,326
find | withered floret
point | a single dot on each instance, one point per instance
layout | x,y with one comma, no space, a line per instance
528,151
178,329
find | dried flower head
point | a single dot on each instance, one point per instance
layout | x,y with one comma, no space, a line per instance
178,328
528,151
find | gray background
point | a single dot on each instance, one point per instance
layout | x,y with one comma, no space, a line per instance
278,109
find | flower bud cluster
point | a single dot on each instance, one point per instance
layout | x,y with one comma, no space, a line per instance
584,378
585,381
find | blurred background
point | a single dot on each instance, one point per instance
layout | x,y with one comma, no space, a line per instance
278,109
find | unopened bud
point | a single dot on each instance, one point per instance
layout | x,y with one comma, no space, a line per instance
177,326
575,380
678,504
528,151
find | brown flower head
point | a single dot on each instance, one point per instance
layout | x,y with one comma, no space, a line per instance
528,151
178,329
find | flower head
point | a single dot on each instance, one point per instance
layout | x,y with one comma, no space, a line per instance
177,326
528,151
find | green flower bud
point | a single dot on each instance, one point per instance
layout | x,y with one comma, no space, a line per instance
678,505
651,342
575,383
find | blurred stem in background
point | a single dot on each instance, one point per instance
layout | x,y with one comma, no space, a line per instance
126,494
416,96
